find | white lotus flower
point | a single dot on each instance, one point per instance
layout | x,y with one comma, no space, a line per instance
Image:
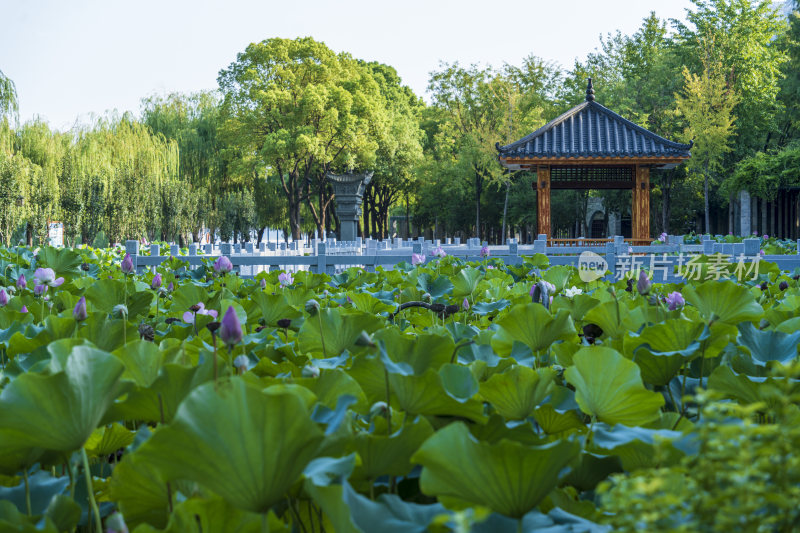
572,292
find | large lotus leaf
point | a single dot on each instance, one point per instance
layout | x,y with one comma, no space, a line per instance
368,371
340,329
61,260
142,362
742,388
245,445
185,296
615,319
162,398
458,381
591,470
767,346
532,325
435,287
662,349
331,385
274,307
517,391
577,306
389,455
59,411
364,301
484,308
466,281
508,477
42,488
554,422
636,447
139,492
12,520
215,514
107,293
559,276
420,352
108,333
724,301
108,439
610,387
426,395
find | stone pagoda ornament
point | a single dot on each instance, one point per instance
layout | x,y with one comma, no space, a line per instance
349,190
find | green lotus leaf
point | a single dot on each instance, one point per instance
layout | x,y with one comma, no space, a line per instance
42,488
466,281
107,440
742,388
662,349
517,391
64,512
458,381
245,445
508,477
331,385
139,491
61,260
363,301
767,346
274,307
724,301
389,454
420,352
435,287
142,362
532,325
484,308
610,387
107,293
12,520
59,411
198,515
108,333
615,319
554,422
635,447
426,395
559,276
340,330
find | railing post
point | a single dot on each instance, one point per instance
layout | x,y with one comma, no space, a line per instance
322,266
174,250
192,249
708,245
513,249
540,244
751,247
611,259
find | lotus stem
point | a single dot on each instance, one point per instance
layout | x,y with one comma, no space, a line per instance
92,502
27,492
322,336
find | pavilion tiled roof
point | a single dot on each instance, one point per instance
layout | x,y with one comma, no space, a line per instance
591,130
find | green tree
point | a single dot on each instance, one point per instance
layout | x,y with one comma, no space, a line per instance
707,106
303,110
8,97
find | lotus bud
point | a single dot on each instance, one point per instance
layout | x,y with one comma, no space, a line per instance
783,286
231,330
285,279
465,304
120,310
379,409
312,307
3,298
310,371
263,284
79,312
223,265
485,251
156,283
171,287
241,363
675,300
127,265
24,309
364,340
644,284
21,283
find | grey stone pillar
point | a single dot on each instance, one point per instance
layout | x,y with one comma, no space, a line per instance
349,191
744,214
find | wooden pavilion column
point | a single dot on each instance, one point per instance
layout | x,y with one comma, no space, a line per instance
543,199
640,214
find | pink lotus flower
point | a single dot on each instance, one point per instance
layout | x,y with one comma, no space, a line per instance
285,279
188,316
127,265
46,276
485,251
439,252
223,265
3,298
39,290
663,237
765,236
675,300
231,330
417,259
644,283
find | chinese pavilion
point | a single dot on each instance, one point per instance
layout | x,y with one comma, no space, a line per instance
591,147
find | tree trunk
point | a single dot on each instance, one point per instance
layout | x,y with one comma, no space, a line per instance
478,191
505,212
705,198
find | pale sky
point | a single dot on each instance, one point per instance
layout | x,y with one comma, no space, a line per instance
71,58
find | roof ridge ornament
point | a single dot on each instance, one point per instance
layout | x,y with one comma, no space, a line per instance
590,91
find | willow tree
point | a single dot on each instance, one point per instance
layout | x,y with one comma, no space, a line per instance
302,109
8,97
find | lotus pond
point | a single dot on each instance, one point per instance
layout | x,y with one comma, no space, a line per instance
449,396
